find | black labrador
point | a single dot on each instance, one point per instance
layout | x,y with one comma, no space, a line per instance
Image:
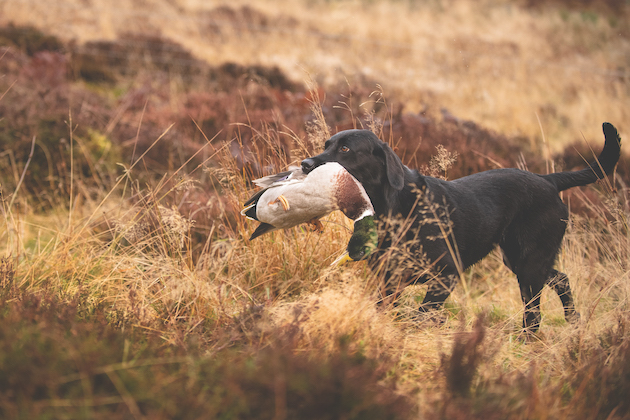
446,226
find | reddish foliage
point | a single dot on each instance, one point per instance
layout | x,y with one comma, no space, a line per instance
254,105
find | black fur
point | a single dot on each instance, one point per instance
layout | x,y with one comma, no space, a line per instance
517,210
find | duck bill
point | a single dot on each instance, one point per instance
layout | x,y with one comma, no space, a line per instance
342,259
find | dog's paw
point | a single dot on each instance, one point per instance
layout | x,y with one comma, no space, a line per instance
526,336
530,335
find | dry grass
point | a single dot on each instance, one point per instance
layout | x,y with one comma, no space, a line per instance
142,276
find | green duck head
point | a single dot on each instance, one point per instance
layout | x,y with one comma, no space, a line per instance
362,243
364,240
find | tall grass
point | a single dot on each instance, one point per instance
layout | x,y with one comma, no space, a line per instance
115,306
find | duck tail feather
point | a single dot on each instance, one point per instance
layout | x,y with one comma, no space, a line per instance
261,230
250,212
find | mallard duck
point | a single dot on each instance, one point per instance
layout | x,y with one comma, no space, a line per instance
291,198
362,243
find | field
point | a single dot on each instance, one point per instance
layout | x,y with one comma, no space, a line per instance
129,136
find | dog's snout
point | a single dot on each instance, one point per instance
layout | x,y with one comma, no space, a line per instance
308,165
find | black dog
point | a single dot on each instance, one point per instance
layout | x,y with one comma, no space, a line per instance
450,225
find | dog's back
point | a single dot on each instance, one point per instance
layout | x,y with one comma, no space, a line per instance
483,207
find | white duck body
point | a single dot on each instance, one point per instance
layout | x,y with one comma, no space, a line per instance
297,198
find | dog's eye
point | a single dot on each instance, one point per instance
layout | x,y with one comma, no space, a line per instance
344,149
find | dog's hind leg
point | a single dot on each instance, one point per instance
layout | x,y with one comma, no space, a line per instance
533,270
530,246
559,282
531,288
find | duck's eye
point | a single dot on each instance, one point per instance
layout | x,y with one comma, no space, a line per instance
362,253
344,149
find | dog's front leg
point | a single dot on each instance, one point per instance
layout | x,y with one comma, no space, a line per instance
392,287
531,288
438,291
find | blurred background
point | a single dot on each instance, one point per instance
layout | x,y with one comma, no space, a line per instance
521,68
512,83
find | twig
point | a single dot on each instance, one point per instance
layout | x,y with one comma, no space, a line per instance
125,395
28,162
547,152
71,168
8,89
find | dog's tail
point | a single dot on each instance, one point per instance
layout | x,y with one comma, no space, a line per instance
598,169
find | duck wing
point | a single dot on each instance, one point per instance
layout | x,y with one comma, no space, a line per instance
269,180
294,173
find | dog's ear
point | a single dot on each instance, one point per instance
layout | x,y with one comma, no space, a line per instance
393,167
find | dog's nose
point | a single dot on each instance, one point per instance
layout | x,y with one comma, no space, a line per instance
308,165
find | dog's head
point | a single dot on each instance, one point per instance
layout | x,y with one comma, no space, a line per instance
372,162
